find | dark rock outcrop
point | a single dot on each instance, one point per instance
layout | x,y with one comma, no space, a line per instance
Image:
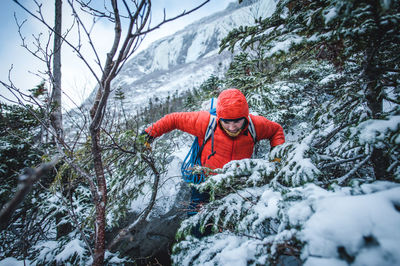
152,240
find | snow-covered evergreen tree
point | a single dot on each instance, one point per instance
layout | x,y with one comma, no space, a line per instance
360,40
19,149
330,77
328,71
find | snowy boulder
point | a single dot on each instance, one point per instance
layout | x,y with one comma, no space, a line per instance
155,236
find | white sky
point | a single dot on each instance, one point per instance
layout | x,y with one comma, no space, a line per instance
77,82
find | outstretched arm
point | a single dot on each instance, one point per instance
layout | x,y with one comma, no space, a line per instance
194,123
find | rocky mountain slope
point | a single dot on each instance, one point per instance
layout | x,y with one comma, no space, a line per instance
185,59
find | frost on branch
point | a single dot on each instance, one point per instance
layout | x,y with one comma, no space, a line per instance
298,167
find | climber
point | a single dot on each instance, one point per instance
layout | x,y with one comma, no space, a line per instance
232,139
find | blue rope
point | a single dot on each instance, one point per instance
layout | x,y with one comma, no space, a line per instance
194,157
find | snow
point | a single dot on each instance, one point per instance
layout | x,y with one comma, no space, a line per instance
175,45
14,262
233,253
45,250
299,168
185,59
243,16
299,213
169,187
229,249
330,15
330,78
267,205
284,45
361,224
198,48
114,259
375,130
74,247
161,57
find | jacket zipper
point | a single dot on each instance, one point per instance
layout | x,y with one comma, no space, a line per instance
233,148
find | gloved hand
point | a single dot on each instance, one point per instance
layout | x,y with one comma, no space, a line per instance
146,140
276,160
147,145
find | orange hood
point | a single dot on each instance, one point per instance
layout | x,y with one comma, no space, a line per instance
232,104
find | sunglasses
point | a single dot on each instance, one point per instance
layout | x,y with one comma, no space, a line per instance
232,120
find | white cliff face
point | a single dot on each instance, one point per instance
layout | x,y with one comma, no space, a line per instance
186,59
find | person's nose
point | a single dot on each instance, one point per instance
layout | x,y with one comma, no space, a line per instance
232,127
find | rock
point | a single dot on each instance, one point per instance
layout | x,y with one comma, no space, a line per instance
153,239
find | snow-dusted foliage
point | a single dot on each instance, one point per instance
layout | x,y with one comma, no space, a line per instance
70,249
329,81
298,167
321,70
328,72
255,223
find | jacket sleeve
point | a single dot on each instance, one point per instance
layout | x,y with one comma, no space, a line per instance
194,123
267,129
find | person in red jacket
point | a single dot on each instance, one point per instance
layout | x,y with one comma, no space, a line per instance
232,140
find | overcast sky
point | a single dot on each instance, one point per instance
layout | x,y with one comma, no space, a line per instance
76,80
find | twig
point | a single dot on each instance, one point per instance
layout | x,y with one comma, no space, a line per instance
230,230
343,161
387,98
325,141
340,180
134,152
125,231
245,199
27,181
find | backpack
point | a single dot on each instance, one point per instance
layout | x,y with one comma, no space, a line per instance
193,157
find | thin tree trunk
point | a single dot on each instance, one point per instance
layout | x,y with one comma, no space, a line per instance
56,114
374,94
379,157
55,109
100,201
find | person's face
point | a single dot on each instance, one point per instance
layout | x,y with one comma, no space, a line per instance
233,126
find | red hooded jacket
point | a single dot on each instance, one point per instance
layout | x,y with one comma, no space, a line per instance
231,104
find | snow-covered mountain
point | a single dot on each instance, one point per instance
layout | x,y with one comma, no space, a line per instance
187,58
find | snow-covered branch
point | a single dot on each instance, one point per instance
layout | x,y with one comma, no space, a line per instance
27,180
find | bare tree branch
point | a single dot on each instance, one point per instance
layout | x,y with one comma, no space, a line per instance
138,15
71,45
340,180
343,161
27,180
142,217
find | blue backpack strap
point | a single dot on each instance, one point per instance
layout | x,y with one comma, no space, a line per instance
212,124
194,155
213,107
252,130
